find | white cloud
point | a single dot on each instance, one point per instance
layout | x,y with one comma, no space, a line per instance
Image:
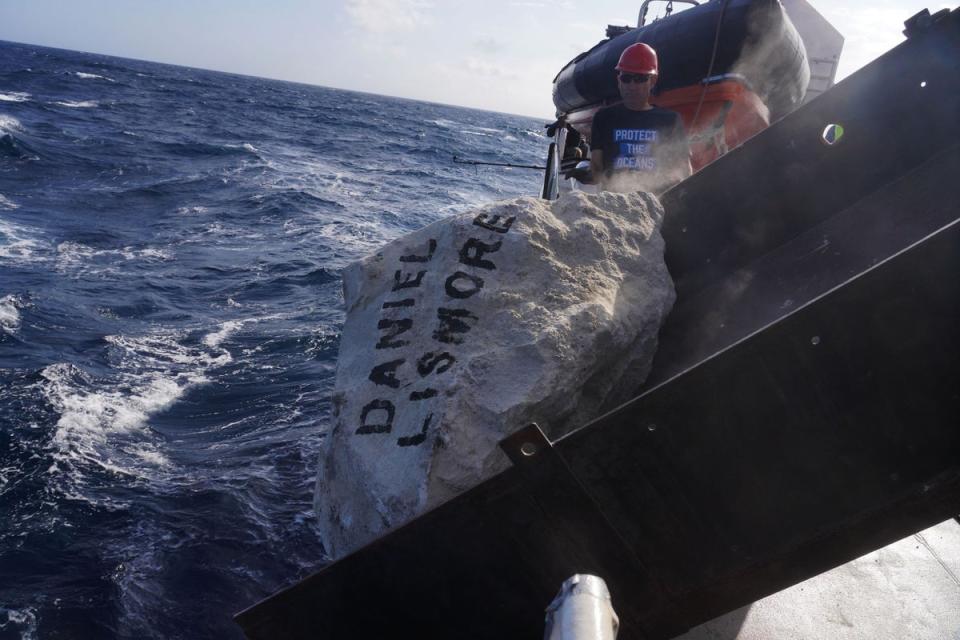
564,5
869,29
589,27
867,34
487,44
382,16
489,69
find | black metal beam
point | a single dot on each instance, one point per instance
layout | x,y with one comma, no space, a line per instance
827,434
815,261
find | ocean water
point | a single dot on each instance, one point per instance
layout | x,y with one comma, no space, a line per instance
170,309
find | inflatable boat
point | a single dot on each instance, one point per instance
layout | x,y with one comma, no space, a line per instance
729,67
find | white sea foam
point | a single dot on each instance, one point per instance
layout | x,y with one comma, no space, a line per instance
16,245
16,96
75,255
10,307
105,422
25,620
92,76
5,474
214,339
74,252
100,413
80,104
130,253
8,124
6,203
108,426
482,131
164,351
191,210
9,316
246,145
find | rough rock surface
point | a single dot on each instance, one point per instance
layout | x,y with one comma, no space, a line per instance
464,331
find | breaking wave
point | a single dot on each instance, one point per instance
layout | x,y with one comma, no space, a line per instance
92,76
19,621
16,96
10,145
78,104
10,306
79,259
9,124
105,423
107,429
19,244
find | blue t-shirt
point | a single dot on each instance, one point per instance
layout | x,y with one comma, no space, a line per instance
649,142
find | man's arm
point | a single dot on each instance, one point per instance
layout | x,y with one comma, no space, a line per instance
598,132
596,167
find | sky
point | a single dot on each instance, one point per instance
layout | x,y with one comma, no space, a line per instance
499,55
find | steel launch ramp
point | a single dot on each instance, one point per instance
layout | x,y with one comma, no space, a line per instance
803,410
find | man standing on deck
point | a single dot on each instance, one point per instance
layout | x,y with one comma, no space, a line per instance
634,145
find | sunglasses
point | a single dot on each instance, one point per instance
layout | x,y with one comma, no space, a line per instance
639,78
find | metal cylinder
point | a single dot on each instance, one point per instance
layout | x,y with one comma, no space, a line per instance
582,611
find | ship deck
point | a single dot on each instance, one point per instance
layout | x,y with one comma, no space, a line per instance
908,590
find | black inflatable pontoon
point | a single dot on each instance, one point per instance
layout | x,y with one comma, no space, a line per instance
753,38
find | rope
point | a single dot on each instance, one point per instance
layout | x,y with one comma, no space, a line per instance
713,59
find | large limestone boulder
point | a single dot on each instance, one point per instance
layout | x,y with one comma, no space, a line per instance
467,330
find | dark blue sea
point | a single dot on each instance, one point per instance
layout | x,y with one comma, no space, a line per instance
170,308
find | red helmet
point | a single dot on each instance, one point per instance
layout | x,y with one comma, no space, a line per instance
638,58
